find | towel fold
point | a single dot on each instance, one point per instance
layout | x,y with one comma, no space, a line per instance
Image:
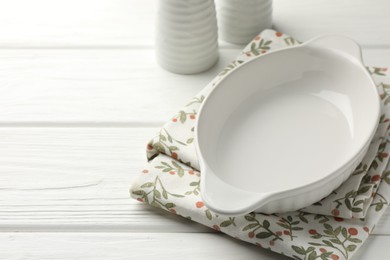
333,228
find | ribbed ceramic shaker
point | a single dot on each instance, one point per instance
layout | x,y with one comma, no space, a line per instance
187,35
241,20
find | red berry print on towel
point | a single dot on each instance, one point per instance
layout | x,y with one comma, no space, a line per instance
154,193
261,228
183,115
172,168
375,178
290,226
352,231
377,71
167,144
199,204
335,257
339,239
335,212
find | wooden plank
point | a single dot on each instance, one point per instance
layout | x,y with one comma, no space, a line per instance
365,21
122,23
89,87
93,86
76,24
149,246
127,246
77,179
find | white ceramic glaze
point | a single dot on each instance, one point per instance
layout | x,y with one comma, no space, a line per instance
240,21
283,130
187,35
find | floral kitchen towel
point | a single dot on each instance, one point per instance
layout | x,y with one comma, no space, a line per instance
333,228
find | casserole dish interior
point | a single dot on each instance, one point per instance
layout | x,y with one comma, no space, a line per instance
283,124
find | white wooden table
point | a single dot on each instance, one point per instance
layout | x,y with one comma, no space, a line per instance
81,95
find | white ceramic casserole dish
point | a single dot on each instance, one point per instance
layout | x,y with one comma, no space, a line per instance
285,129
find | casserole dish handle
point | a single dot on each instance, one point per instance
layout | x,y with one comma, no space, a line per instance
338,43
224,199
